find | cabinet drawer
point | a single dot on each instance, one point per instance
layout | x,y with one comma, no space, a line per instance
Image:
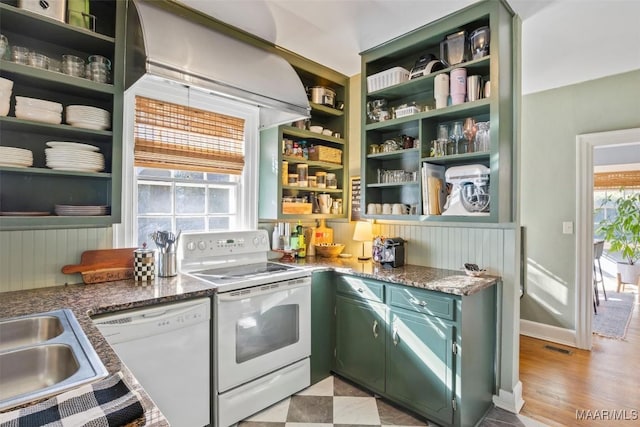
362,288
431,303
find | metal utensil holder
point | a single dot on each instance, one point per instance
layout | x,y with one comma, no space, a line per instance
167,264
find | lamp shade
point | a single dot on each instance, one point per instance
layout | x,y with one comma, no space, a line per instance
363,231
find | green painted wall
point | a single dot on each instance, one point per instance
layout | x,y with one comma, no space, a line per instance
551,120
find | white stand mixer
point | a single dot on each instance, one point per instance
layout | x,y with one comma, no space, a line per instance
470,193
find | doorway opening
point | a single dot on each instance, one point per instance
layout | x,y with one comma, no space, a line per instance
586,146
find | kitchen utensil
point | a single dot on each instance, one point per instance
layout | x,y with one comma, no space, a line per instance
458,85
324,234
100,259
441,89
454,49
322,95
479,41
107,275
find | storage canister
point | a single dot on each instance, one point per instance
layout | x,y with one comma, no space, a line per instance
303,173
144,268
321,179
285,172
331,181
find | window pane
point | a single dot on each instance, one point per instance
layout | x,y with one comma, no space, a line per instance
195,176
189,199
162,173
154,198
219,223
216,177
146,226
219,200
190,224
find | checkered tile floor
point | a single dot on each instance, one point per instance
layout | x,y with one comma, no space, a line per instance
336,402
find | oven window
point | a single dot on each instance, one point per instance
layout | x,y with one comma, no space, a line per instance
260,333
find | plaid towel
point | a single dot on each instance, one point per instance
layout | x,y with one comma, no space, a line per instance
106,403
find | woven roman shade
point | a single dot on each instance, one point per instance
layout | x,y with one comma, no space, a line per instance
172,136
616,180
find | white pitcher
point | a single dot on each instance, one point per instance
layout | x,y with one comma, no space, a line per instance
325,203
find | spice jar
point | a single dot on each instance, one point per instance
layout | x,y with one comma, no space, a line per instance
331,180
321,179
303,173
293,179
313,181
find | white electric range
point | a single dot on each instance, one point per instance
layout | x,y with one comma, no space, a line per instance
262,320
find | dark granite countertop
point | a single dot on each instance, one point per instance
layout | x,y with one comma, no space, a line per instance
89,300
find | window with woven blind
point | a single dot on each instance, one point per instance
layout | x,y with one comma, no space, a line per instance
616,180
173,136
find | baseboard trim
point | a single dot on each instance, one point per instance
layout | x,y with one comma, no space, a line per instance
510,400
548,333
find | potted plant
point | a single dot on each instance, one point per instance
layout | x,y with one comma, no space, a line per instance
622,231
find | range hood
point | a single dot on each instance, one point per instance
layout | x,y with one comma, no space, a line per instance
171,46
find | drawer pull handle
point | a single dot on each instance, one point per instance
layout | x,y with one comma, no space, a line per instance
375,329
360,290
395,336
416,302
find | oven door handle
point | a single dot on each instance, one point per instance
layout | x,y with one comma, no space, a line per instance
253,292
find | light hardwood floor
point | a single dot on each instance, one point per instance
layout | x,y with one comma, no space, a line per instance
557,385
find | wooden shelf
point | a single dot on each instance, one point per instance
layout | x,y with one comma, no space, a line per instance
301,133
312,163
53,172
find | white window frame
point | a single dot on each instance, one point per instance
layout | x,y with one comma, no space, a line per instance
125,234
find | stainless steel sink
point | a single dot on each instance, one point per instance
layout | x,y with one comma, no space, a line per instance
42,355
28,330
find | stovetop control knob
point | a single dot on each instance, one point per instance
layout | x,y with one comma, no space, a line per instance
202,245
256,241
191,246
263,240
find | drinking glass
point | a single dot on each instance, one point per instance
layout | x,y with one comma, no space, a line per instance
456,135
482,136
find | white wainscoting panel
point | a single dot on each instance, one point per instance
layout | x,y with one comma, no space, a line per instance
33,258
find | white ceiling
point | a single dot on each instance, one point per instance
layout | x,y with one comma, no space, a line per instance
563,41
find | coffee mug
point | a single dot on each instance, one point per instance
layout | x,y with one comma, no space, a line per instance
386,209
378,208
371,209
399,209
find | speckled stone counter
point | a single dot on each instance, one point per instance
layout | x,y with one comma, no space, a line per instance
434,279
89,300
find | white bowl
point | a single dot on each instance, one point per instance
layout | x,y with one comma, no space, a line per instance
40,104
328,132
315,129
38,115
6,84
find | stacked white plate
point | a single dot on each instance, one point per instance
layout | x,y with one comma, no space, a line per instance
15,157
81,210
38,110
6,87
73,156
84,116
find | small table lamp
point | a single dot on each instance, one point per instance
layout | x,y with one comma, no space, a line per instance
363,233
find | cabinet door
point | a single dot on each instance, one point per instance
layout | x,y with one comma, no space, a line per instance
420,364
360,341
322,340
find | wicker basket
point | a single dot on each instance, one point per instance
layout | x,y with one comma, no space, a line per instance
393,76
325,154
296,208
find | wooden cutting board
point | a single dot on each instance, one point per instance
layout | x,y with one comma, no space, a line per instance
106,275
100,259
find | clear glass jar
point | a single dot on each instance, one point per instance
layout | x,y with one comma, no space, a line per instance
303,173
332,182
321,179
293,179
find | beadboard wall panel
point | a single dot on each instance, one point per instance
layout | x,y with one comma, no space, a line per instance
33,258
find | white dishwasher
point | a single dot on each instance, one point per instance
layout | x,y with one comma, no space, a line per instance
167,348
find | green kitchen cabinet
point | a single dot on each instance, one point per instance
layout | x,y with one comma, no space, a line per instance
429,351
28,195
282,151
420,363
360,341
322,324
410,111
